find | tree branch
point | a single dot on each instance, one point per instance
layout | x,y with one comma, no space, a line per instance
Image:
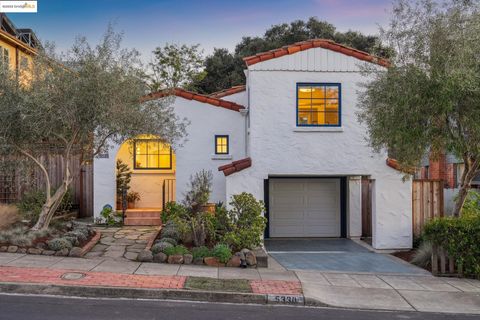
45,172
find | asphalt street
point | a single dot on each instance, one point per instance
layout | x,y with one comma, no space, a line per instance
30,307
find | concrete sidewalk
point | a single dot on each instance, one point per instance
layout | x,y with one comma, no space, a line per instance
347,290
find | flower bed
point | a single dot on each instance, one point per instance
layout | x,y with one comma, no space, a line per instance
66,240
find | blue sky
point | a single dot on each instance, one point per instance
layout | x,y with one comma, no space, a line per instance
211,23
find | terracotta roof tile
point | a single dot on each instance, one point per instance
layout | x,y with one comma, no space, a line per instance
194,96
393,163
315,43
227,92
235,166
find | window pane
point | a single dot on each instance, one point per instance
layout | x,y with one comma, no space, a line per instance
332,105
332,92
304,103
141,161
331,118
304,92
318,92
153,161
318,105
141,147
153,147
164,161
164,149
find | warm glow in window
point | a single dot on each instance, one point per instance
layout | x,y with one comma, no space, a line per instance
221,144
318,105
152,154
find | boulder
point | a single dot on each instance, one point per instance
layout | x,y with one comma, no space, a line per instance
62,252
34,251
12,249
3,248
48,252
160,257
213,262
187,259
240,254
145,256
250,258
234,261
175,259
22,250
41,245
75,252
198,261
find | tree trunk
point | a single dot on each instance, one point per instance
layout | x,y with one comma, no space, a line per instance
469,173
460,201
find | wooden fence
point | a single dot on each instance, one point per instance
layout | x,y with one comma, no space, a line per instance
427,202
15,183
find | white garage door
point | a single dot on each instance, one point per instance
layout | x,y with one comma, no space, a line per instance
304,208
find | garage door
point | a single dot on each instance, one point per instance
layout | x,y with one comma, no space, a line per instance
304,208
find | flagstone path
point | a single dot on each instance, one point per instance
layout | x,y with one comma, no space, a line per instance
121,243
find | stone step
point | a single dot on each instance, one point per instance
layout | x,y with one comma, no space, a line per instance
143,214
142,221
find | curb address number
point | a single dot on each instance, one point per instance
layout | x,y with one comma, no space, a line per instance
285,299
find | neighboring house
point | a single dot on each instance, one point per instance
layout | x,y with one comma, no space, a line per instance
290,137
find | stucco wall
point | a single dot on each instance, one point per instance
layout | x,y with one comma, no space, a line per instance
278,147
196,153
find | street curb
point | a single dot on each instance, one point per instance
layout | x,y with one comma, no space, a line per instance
133,293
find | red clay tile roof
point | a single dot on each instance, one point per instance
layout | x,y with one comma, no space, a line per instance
315,43
235,166
393,163
227,92
193,96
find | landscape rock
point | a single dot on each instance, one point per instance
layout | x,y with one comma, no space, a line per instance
213,262
75,252
198,261
160,257
234,261
145,256
41,245
3,248
34,251
187,259
250,258
175,259
48,252
240,254
62,253
22,250
12,249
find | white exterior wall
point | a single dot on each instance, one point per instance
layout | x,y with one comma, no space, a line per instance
278,147
196,153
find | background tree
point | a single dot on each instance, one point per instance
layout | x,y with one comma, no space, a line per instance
428,101
224,69
80,106
175,66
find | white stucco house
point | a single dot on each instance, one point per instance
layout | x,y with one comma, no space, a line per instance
290,137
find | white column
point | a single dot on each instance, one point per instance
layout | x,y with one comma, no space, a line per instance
354,207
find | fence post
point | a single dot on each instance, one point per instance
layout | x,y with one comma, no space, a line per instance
434,260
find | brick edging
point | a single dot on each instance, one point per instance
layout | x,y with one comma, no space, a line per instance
90,244
152,239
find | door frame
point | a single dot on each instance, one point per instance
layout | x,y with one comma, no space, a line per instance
343,200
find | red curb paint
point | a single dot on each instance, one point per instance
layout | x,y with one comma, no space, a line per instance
276,287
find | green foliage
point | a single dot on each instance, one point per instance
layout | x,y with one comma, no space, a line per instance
472,203
175,66
124,176
201,252
171,211
199,190
59,244
423,255
21,236
180,249
31,204
169,240
161,246
222,252
110,216
133,196
246,222
224,69
460,237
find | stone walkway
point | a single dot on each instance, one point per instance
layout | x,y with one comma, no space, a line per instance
121,243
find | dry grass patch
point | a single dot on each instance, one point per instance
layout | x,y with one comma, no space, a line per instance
225,285
8,216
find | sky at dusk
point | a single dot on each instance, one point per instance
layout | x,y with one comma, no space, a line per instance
213,24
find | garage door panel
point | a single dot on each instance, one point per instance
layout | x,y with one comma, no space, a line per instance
304,208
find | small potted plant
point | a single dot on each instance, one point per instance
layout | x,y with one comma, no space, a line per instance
132,197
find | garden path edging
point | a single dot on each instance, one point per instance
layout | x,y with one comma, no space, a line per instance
93,241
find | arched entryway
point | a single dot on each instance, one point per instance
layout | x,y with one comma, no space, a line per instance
152,165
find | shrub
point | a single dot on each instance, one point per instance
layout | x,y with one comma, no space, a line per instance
59,244
200,188
222,252
171,211
176,250
460,237
472,203
109,216
169,240
8,216
247,222
170,233
423,255
21,236
160,247
31,204
201,252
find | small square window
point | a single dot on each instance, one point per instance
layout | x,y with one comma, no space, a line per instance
221,144
318,104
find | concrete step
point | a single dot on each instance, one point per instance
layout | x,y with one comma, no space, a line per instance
143,214
142,221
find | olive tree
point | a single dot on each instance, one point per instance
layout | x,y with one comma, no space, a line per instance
428,100
78,102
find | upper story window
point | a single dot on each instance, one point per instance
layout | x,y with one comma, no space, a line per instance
221,144
319,104
152,154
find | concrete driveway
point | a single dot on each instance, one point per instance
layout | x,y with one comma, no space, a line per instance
342,255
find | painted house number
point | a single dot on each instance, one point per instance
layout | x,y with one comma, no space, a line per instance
285,299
